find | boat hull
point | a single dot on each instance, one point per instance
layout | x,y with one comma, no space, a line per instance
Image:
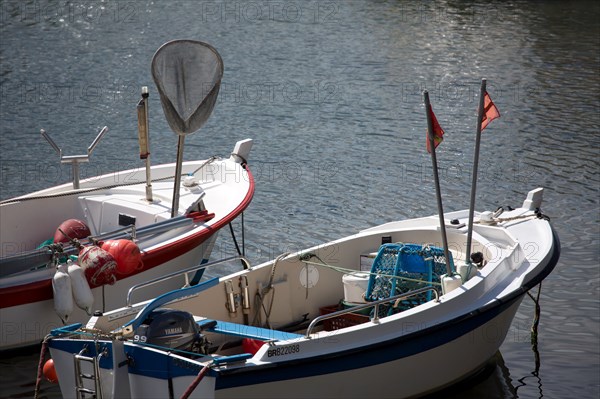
397,369
422,362
407,376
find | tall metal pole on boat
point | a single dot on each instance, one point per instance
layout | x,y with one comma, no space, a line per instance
436,178
144,138
175,205
475,166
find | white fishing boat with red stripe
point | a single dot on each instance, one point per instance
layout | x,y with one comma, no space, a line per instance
124,228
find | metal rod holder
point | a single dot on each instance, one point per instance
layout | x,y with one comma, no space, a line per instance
75,160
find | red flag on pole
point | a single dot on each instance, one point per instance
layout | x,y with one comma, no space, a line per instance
490,112
438,132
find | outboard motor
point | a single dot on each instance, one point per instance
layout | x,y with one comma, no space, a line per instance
173,329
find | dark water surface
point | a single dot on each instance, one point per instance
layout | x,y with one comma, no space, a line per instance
331,93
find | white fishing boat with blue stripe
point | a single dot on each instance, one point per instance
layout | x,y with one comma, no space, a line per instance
386,312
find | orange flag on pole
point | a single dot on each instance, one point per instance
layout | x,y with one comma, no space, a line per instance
438,132
490,112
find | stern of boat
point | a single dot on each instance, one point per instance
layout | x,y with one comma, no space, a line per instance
90,367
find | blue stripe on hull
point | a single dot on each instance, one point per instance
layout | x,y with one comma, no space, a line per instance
156,364
365,356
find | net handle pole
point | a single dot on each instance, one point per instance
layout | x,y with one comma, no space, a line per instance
177,182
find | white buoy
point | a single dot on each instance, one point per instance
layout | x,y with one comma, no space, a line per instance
84,299
63,293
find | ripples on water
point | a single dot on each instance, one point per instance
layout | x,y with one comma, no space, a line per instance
331,93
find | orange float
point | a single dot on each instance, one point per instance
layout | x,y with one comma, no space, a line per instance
126,253
50,371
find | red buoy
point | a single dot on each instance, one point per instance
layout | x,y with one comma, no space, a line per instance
72,228
126,253
98,265
50,371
